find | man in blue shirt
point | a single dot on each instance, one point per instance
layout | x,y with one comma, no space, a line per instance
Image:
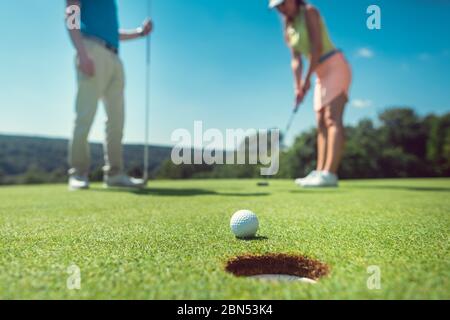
100,76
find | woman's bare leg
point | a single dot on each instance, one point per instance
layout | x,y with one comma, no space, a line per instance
335,133
321,140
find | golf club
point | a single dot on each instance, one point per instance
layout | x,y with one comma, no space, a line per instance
147,98
283,135
289,124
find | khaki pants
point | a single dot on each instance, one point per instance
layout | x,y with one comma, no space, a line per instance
106,85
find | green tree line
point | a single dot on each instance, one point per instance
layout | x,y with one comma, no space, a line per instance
402,144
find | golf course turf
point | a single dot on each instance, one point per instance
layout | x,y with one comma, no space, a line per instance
173,241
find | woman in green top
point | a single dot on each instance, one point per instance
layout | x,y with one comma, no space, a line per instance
306,34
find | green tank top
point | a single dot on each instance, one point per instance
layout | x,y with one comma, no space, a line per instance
298,36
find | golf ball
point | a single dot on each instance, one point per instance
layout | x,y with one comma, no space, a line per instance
244,224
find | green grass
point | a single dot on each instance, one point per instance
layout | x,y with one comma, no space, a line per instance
172,240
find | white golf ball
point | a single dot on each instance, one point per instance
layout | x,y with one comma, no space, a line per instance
244,224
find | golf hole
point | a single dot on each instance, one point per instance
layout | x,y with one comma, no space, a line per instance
277,267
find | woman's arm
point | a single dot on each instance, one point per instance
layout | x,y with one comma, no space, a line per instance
297,69
315,36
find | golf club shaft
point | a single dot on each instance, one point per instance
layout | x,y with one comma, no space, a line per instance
147,97
291,120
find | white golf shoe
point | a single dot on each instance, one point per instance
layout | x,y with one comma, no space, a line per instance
78,183
123,181
312,174
321,180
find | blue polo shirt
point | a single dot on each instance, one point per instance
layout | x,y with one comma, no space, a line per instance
99,19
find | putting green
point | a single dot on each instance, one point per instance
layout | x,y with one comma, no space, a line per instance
173,240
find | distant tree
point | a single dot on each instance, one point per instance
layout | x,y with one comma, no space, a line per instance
235,171
446,154
300,159
395,163
169,170
362,152
402,128
58,175
438,145
35,175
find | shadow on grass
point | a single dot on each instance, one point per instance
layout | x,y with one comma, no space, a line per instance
257,238
316,191
403,188
374,187
168,192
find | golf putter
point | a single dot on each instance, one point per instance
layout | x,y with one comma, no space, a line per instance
291,120
288,127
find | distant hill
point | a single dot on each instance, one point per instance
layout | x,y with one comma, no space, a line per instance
21,155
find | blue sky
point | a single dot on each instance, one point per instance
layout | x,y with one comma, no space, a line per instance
223,62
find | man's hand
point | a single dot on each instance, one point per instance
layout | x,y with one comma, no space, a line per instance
146,28
142,31
86,65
